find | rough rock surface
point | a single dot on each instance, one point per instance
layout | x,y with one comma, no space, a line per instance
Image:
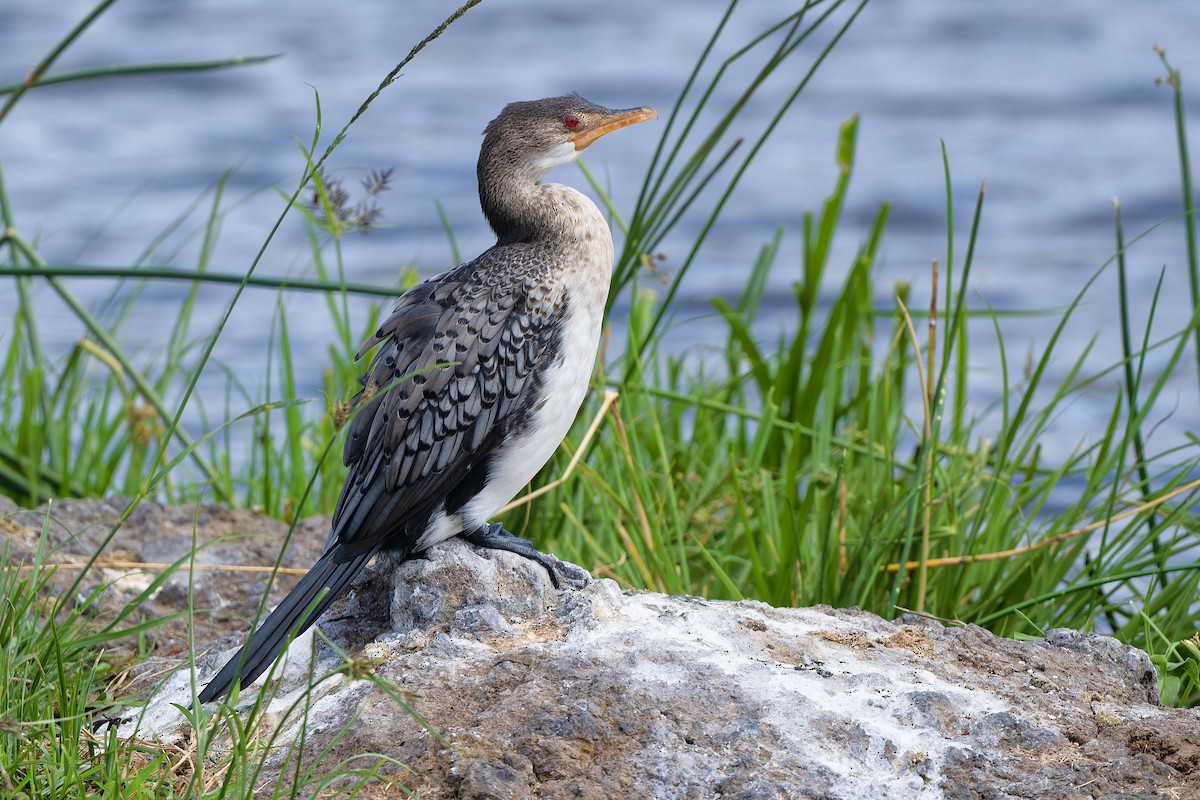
601,693
216,536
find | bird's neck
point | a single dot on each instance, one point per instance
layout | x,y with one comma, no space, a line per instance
519,210
554,219
550,217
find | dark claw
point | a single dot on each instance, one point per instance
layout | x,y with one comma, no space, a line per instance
495,537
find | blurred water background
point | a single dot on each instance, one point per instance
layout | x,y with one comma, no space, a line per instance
1055,104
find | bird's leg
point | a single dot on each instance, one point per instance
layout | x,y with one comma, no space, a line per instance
495,537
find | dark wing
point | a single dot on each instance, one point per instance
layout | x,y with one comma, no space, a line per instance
420,438
458,356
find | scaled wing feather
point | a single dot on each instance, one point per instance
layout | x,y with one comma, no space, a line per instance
455,362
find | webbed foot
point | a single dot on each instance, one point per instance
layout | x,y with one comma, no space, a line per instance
495,537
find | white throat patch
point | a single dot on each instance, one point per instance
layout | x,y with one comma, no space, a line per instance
562,154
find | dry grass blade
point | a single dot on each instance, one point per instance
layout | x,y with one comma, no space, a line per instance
610,397
151,566
951,561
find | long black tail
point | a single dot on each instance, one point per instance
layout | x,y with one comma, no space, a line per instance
266,643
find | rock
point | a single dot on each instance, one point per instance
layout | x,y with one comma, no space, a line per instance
211,536
537,692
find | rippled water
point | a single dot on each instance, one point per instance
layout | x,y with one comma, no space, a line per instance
1053,103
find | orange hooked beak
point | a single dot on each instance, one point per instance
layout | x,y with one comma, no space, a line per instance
586,134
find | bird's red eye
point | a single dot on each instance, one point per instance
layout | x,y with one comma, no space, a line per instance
571,121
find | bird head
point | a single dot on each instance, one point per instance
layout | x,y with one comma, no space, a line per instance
533,137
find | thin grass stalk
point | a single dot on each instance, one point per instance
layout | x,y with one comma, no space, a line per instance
339,315
177,340
292,425
960,387
931,404
25,304
1139,447
1013,425
121,301
125,70
272,477
448,230
957,310
1181,343
1175,80
40,68
927,469
1136,419
948,184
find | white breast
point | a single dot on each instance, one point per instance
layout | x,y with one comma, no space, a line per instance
587,264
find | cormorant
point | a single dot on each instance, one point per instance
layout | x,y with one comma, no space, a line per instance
479,375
